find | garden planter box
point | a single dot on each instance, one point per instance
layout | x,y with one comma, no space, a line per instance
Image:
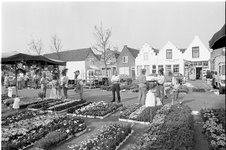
99,110
94,117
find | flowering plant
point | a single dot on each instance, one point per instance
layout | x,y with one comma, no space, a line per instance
100,108
108,137
214,127
25,132
129,109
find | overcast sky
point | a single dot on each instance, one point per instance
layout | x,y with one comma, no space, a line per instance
132,23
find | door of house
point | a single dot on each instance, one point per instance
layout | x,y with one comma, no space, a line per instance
133,72
198,72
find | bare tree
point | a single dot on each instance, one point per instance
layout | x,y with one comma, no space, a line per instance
56,45
102,37
36,46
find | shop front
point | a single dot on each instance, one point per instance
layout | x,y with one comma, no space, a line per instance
195,70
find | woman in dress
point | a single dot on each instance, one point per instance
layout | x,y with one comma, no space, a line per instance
78,84
54,94
151,99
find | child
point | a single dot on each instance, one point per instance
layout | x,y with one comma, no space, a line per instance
151,99
176,88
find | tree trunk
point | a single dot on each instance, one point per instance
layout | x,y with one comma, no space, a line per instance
106,71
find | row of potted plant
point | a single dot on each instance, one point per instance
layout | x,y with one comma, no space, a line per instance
100,108
198,89
45,104
66,105
128,110
214,127
28,135
174,131
108,138
20,116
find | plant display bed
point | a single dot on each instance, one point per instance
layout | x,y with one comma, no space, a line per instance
110,137
214,127
60,108
44,105
98,110
172,128
21,116
25,133
138,114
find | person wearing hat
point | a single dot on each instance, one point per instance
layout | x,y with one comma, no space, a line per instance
78,84
142,87
160,82
64,82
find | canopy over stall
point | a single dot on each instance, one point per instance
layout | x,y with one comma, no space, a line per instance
15,57
218,39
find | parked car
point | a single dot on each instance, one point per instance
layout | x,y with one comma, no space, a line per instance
151,77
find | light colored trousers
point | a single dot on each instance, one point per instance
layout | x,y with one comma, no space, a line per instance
142,93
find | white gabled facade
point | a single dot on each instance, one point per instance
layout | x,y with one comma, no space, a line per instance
199,58
171,58
146,59
190,61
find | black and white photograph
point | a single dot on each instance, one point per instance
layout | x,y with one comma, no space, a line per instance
113,75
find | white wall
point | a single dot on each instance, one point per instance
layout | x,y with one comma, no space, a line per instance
177,57
204,53
152,59
73,66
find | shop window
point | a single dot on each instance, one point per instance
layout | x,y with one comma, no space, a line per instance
175,68
160,66
145,56
200,63
168,68
205,63
195,63
195,52
153,68
124,71
169,54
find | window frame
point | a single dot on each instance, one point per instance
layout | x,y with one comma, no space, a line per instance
195,49
124,60
167,54
176,68
146,55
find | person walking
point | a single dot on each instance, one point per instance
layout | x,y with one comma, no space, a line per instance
160,87
78,84
64,82
142,87
115,80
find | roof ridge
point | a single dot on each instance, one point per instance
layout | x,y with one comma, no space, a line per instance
69,50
